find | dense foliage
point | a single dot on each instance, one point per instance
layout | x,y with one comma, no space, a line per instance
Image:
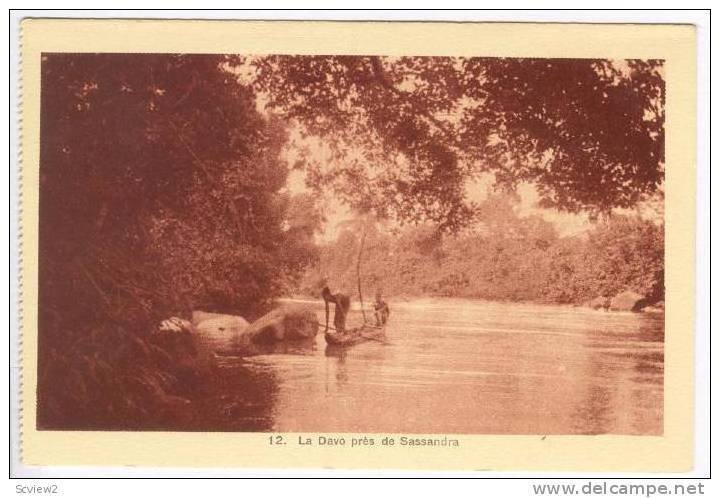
503,257
161,191
406,133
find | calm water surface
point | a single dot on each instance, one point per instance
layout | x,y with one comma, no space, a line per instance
461,366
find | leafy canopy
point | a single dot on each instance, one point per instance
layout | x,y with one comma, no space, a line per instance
407,133
162,189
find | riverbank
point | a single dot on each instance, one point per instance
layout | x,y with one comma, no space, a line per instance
594,304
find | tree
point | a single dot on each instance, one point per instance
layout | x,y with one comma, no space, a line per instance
505,256
406,133
626,253
160,188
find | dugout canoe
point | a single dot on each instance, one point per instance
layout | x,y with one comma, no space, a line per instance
355,336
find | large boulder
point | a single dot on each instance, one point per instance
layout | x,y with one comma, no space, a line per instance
287,323
218,332
628,301
216,324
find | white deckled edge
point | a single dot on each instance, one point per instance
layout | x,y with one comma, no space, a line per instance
16,359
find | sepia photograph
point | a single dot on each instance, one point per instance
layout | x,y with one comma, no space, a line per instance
290,243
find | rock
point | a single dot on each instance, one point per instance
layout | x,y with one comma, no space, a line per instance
222,325
201,316
657,307
600,302
628,301
653,309
218,332
175,324
287,323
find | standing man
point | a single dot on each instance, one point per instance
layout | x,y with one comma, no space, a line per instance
342,306
382,310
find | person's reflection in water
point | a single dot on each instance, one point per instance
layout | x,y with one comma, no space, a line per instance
337,357
341,372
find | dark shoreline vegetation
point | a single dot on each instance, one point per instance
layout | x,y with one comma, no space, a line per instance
163,190
508,259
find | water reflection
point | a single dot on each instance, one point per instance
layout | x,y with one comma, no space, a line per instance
455,366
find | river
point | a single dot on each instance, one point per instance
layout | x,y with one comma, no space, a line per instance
475,367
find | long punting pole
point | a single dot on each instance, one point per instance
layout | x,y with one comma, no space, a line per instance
362,244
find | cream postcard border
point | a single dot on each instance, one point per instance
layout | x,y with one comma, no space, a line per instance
672,452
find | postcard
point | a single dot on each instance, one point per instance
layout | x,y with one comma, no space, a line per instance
376,245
